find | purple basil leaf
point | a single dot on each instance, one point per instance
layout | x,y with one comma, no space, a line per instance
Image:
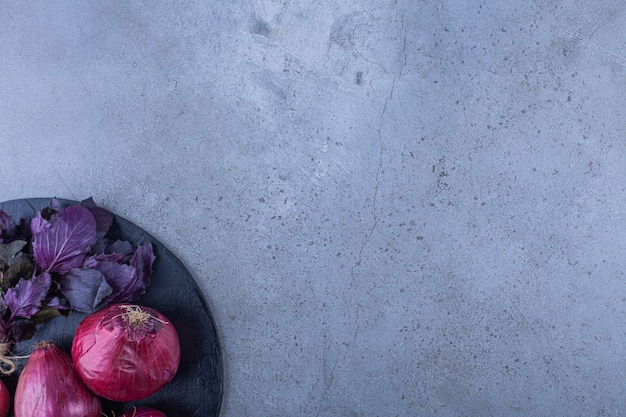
3,306
23,330
5,332
84,289
89,203
50,308
62,243
24,300
22,231
142,261
104,219
9,250
39,225
45,313
120,246
90,262
93,261
112,257
20,266
56,303
119,277
56,205
6,225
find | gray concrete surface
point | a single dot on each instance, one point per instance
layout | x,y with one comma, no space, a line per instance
394,208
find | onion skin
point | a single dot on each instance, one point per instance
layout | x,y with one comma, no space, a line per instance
49,386
5,400
143,412
121,360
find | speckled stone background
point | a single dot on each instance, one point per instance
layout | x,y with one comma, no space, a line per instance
394,208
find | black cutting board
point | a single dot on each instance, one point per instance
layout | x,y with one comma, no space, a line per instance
196,390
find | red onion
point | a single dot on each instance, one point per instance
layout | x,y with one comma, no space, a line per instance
49,386
5,400
125,352
143,412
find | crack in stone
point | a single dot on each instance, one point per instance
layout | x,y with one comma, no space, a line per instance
620,57
349,344
380,157
369,235
331,377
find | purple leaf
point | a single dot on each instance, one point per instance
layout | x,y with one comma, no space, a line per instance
120,246
5,331
56,303
3,306
51,308
104,219
39,225
118,276
23,330
56,204
142,261
6,225
24,300
63,242
93,260
84,289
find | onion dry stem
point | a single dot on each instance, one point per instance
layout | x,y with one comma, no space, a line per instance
135,316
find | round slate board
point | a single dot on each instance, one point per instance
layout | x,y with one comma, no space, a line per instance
196,390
